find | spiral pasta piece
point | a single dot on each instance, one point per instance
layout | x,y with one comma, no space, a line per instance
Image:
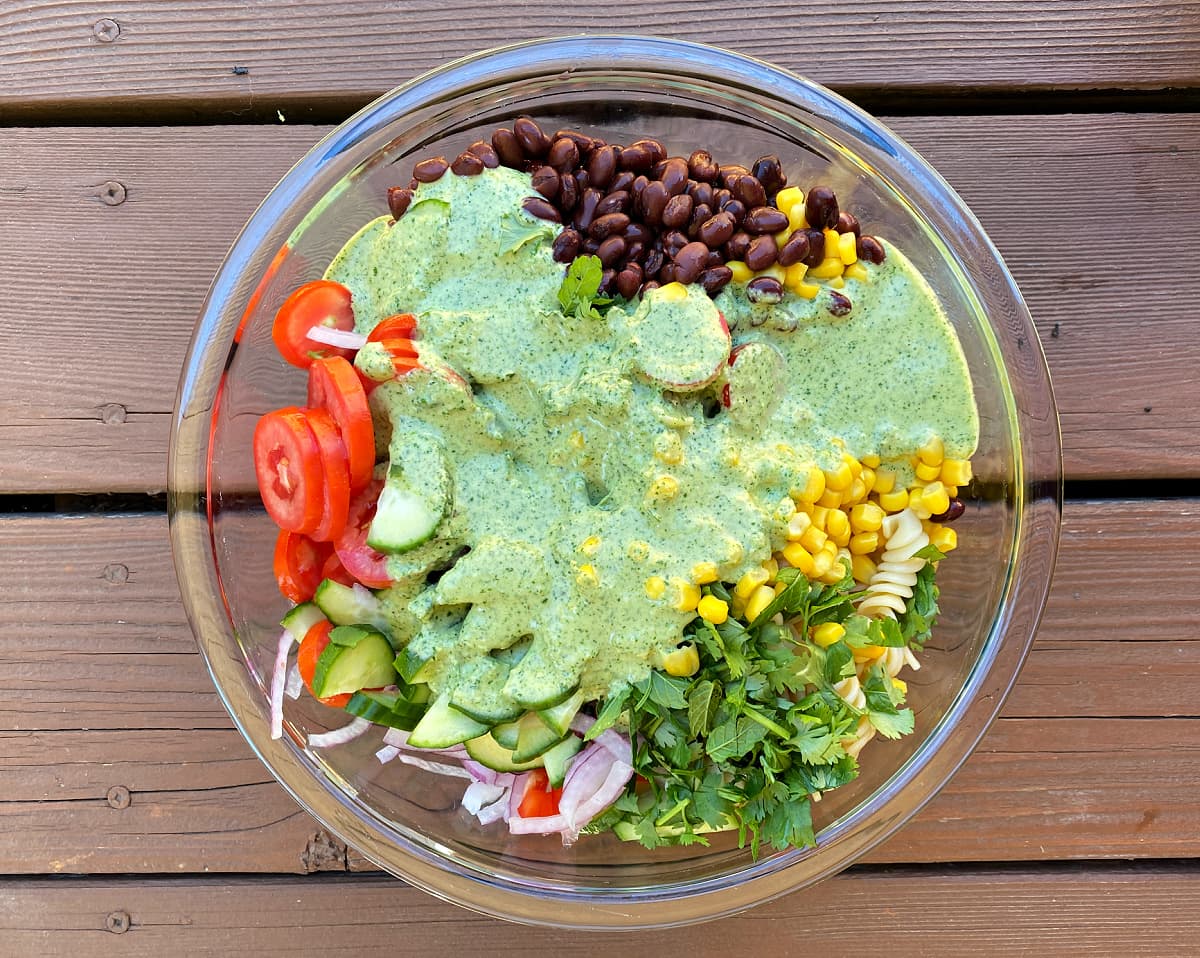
896,573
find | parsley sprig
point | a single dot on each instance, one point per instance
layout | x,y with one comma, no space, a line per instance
579,294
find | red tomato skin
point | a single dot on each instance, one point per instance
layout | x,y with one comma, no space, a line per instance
336,470
333,569
400,326
540,800
360,560
299,565
287,464
311,647
335,386
319,303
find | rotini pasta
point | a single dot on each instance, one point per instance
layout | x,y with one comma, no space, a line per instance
896,573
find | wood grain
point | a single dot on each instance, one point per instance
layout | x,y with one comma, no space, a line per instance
1074,912
142,268
1096,754
224,59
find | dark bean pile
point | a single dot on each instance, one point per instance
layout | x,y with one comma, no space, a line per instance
651,218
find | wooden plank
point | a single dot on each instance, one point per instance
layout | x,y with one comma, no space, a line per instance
221,58
1095,756
103,425
1094,910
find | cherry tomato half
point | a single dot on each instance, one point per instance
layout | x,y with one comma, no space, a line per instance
287,463
540,799
334,385
336,470
333,569
311,647
361,561
400,326
320,303
299,565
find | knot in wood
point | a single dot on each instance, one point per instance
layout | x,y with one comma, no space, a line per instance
116,572
117,922
106,30
118,796
112,193
112,413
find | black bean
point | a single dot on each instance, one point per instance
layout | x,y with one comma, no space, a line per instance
601,166
610,224
654,200
762,253
506,145
466,164
675,175
870,249
563,155
700,215
737,245
568,193
667,273
658,152
731,171
701,193
583,181
590,246
764,289
747,189
430,170
816,247
765,219
638,157
839,305
398,199
720,198
585,211
702,166
715,278
540,208
736,209
628,280
650,284
486,152
623,181
566,245
677,211
611,249
608,281
672,242
794,250
617,202
545,181
717,230
635,251
954,511
848,223
581,140
533,141
413,184
639,184
714,258
821,208
637,233
654,262
769,172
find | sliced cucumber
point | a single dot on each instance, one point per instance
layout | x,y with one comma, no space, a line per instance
479,692
487,751
533,737
558,759
546,696
301,618
506,734
414,497
354,659
414,666
559,717
350,605
386,708
444,725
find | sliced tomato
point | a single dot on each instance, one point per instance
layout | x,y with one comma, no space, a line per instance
360,560
299,565
398,346
311,647
400,326
336,469
540,800
334,385
320,303
333,569
287,463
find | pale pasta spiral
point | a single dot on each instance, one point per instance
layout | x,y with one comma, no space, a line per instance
896,573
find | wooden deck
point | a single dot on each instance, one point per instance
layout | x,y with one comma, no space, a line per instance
135,821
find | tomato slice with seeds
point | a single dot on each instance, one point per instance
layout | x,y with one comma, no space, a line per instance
333,569
311,647
360,560
299,565
400,326
334,385
336,469
319,303
287,464
540,800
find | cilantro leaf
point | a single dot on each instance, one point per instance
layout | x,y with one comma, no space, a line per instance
663,690
733,739
614,705
703,700
839,663
515,232
788,824
921,611
579,293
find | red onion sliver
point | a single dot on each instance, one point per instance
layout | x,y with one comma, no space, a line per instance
611,789
581,723
339,736
543,825
387,753
617,744
295,683
341,338
286,640
479,794
399,738
516,795
494,812
584,780
438,768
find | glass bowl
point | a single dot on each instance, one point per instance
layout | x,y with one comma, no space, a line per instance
688,96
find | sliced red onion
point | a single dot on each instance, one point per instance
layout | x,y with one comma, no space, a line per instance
295,683
481,773
341,338
516,795
543,825
339,736
479,794
581,723
438,768
387,753
617,744
286,640
494,812
611,789
587,774
399,738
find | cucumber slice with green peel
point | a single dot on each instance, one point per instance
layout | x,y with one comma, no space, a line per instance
301,618
354,659
559,717
546,697
386,708
487,751
506,734
413,666
534,737
558,759
478,691
350,605
443,725
414,497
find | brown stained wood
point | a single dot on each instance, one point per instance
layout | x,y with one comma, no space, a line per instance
106,691
906,913
142,268
221,59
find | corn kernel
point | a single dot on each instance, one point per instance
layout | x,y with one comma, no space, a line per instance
809,487
846,248
828,268
917,503
839,477
772,569
684,595
587,575
832,548
871,461
763,596
858,272
655,586
837,524
822,563
866,517
784,509
713,610
749,582
796,526
837,283
926,472
780,588
741,272
828,633
704,573
885,480
935,498
590,546
672,292
793,276
830,499
951,491
861,566
664,487
575,440
894,501
933,452
945,538
807,290
737,606
820,515
638,550
857,491
785,199
900,686
780,239
868,653
682,662
775,272
734,553
863,543
956,472
834,575
798,557
868,480
668,448
796,219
